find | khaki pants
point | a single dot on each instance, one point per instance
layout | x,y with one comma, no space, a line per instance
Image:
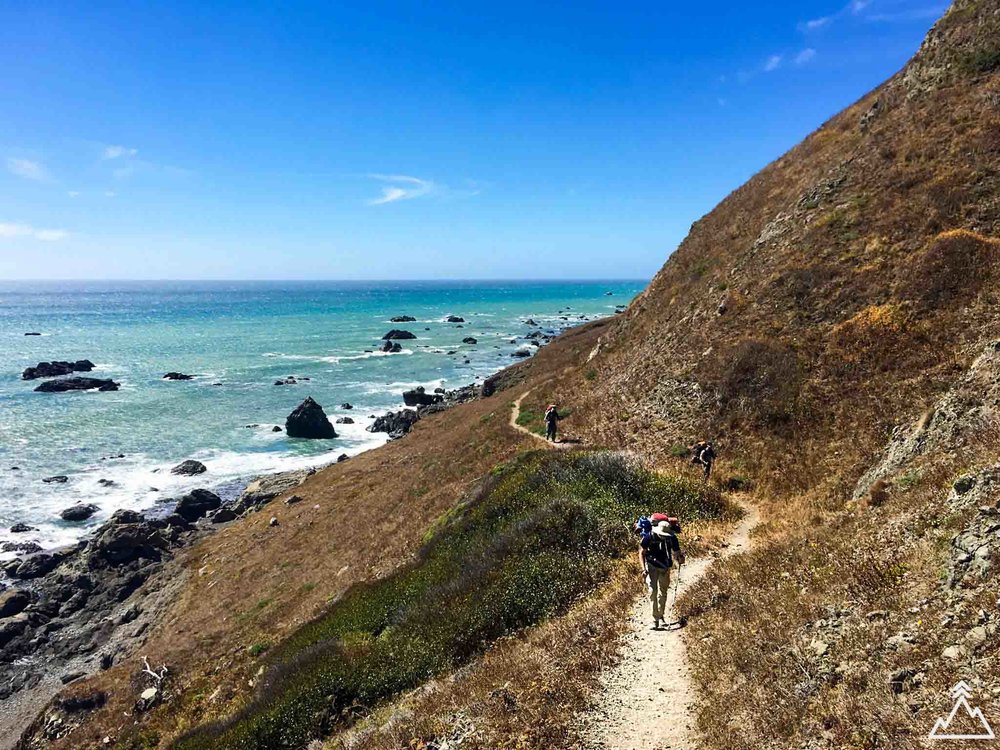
659,587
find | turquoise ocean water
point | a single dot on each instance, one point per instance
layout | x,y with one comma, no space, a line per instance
242,336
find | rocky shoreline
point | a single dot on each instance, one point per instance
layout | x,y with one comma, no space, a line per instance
71,612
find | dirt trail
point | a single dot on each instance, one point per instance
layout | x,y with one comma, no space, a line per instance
515,413
647,700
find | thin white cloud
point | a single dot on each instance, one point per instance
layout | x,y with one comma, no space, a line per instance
815,23
110,193
116,152
857,6
73,193
12,231
805,56
773,63
30,170
400,188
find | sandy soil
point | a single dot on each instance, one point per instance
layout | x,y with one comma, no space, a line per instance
646,701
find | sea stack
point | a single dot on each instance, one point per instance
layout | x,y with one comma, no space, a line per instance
309,421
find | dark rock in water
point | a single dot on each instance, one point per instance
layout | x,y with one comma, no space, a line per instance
419,397
77,384
21,528
189,468
26,548
346,405
177,376
520,354
530,322
439,390
391,347
224,515
106,482
454,319
396,423
13,602
290,380
33,333
609,294
264,489
57,479
342,457
309,421
196,504
57,368
80,512
470,340
276,428
403,319
345,420
397,333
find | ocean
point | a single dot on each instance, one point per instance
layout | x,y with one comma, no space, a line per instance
236,339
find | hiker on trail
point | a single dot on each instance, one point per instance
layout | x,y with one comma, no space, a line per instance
551,422
658,551
704,454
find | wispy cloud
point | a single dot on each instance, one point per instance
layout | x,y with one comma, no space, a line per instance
815,23
12,231
400,187
805,56
30,170
857,6
117,152
773,63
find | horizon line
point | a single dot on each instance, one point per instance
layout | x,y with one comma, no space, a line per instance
594,279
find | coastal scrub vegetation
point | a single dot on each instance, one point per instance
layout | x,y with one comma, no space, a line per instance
537,535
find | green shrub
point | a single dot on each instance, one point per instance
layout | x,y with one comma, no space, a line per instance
529,541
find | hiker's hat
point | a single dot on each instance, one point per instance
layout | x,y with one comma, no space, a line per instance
662,529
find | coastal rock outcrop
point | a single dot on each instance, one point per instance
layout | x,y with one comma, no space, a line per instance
398,333
396,423
177,376
263,490
77,384
403,319
391,347
472,341
56,369
419,397
454,319
197,504
345,420
189,468
309,421
79,512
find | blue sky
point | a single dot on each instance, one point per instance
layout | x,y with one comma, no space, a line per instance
395,140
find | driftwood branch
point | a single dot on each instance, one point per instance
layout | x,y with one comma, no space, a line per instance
158,676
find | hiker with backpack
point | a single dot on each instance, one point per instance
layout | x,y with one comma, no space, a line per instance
551,422
704,454
658,551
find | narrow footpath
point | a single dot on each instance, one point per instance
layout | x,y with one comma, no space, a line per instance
646,701
515,414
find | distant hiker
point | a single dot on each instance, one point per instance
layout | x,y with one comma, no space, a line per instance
704,455
658,551
551,422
